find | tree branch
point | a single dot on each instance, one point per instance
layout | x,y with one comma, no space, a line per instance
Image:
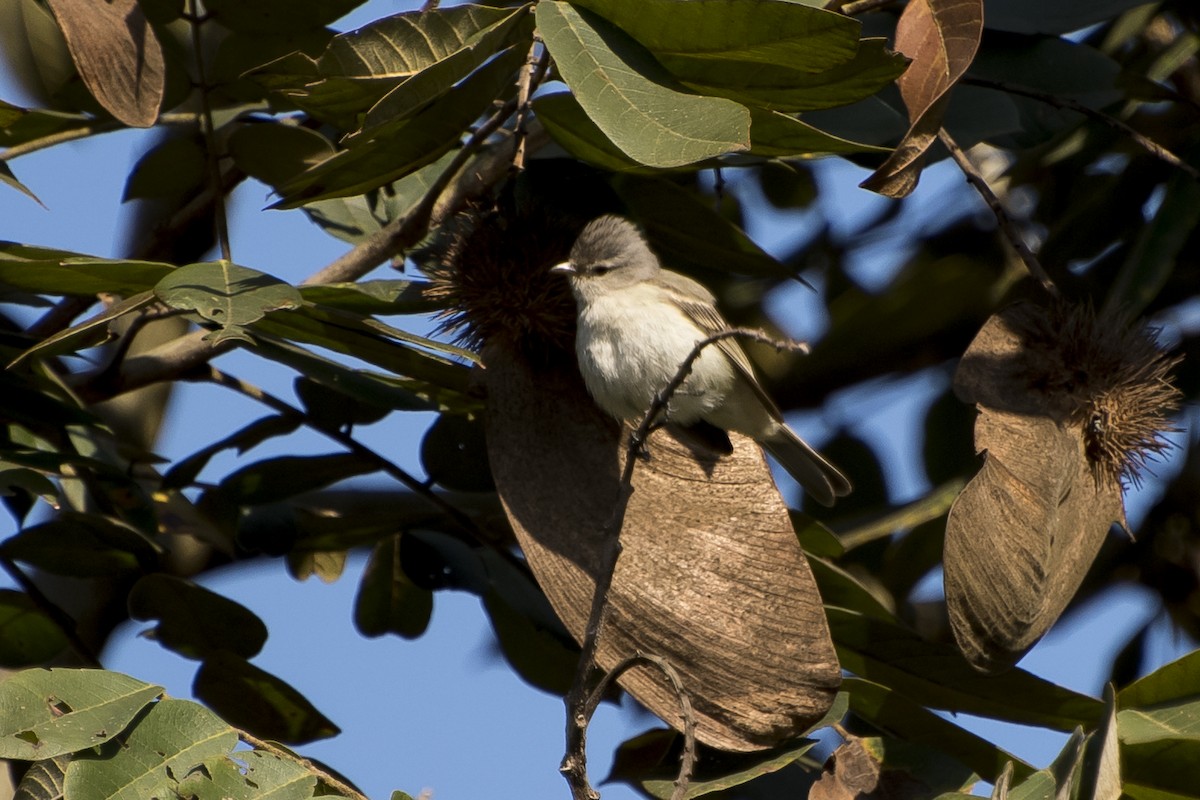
1007,227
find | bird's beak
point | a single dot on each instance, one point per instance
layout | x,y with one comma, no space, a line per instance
565,268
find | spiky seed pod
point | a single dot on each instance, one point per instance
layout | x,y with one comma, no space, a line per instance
1113,379
495,280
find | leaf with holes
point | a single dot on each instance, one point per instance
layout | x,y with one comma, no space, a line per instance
227,295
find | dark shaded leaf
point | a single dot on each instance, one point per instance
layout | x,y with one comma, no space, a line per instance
650,762
46,713
226,295
275,153
44,780
257,701
82,546
19,125
388,601
332,409
7,176
183,473
280,478
419,141
1062,16
630,97
774,134
936,675
117,54
275,16
27,635
86,334
542,655
172,170
894,714
454,454
194,621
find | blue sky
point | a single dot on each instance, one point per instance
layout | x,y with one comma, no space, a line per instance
444,712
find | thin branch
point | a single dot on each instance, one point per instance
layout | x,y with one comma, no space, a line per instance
530,77
337,784
402,233
350,443
1007,227
856,7
582,700
1149,145
61,619
206,129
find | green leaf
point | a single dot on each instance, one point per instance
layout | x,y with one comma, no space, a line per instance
171,740
937,675
388,601
1157,250
632,98
894,714
351,335
1161,768
783,88
773,134
1100,777
82,546
699,33
184,472
419,141
86,334
543,655
275,153
194,621
20,125
454,454
226,295
436,80
60,272
815,538
360,67
280,478
1061,16
27,636
1178,680
257,701
9,177
371,389
372,297
1179,720
275,16
46,713
264,776
839,588
570,126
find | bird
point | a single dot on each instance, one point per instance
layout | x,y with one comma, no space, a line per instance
637,322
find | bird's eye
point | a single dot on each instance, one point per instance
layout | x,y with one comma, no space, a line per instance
601,269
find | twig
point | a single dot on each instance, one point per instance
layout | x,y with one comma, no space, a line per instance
61,619
350,443
336,783
527,81
404,232
858,6
206,129
1007,227
1149,145
581,701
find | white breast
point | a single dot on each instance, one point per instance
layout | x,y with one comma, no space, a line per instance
630,344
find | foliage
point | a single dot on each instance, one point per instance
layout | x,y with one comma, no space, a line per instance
410,137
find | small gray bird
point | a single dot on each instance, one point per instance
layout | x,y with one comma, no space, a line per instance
637,324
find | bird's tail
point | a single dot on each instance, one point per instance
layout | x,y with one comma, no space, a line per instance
823,481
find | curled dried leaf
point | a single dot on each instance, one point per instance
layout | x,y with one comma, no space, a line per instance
1071,405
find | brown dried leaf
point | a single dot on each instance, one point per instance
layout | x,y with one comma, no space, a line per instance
1021,536
117,55
711,576
854,775
941,37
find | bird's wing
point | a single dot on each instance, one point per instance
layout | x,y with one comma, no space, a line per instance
698,303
